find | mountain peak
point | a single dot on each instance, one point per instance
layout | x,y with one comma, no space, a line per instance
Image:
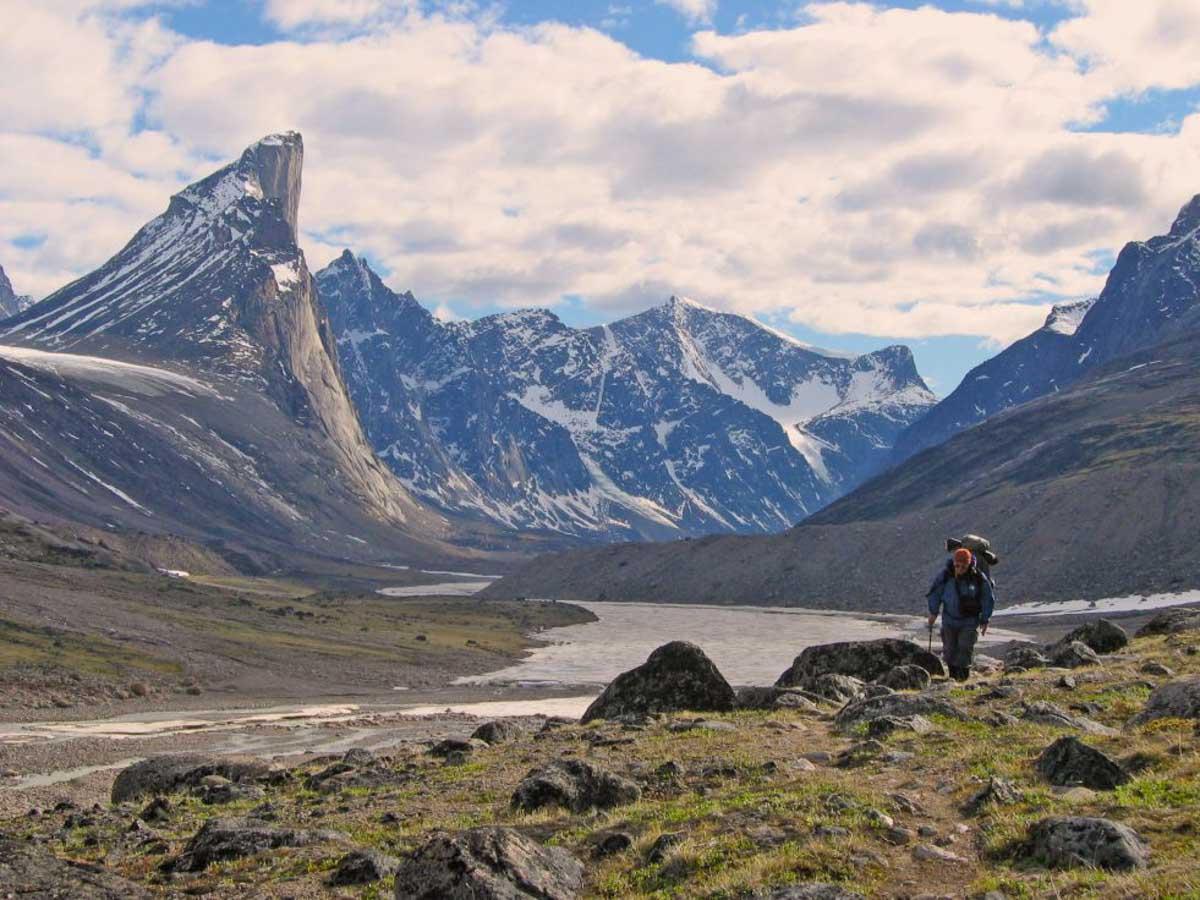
1064,318
1188,219
10,302
277,160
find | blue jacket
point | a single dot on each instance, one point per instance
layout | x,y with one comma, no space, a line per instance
943,596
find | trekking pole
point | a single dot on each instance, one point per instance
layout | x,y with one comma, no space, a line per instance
930,637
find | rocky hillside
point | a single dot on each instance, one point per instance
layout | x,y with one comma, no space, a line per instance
1027,781
11,302
680,420
1088,493
190,385
1151,295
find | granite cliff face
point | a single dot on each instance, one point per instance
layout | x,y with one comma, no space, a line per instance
1151,295
679,420
11,302
192,380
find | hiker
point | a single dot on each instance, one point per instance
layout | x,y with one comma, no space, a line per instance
965,598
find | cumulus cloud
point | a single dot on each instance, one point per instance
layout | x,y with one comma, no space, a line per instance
905,173
697,12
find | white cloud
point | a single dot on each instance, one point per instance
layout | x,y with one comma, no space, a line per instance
892,172
697,12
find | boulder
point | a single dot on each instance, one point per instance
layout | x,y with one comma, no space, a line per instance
363,867
1072,655
1070,841
176,772
864,660
1156,669
220,840
776,698
908,677
501,731
1069,762
1025,656
882,726
1101,635
574,784
1045,713
1179,699
677,676
451,745
29,871
358,756
813,890
482,863
832,688
1171,621
897,706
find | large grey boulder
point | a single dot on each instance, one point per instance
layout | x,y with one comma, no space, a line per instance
898,706
177,772
220,840
1025,656
1069,762
501,731
575,785
488,864
1072,655
677,676
1171,621
1070,841
864,660
832,687
363,867
1179,699
908,677
1101,635
33,873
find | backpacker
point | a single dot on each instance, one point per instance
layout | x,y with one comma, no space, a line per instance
971,604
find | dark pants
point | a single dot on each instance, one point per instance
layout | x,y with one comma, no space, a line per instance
958,648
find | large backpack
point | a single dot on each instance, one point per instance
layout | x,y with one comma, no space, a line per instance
985,557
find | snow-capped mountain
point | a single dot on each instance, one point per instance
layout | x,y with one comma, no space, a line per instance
1152,293
191,384
11,302
681,419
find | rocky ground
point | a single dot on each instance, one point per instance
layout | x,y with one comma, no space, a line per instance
1067,770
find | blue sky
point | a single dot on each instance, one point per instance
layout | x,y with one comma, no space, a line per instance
935,174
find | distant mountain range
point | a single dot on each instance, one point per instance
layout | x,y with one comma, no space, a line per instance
679,420
1150,295
191,385
11,302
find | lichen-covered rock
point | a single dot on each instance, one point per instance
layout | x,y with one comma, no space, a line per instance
1171,621
1045,713
220,840
832,687
575,785
908,677
997,792
501,731
1072,655
488,864
1025,656
1101,635
33,873
897,706
1179,699
882,726
676,677
176,772
451,745
363,867
1069,762
864,660
1071,841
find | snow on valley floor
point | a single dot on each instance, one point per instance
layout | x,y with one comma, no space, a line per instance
1132,603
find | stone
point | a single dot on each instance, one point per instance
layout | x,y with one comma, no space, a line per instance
1179,699
223,839
215,794
987,664
813,890
501,731
905,678
29,871
497,863
823,830
1025,656
1157,669
701,725
879,818
774,698
885,725
1069,762
1067,683
864,660
358,756
930,853
176,772
363,867
575,785
899,835
1171,621
1073,841
896,705
456,745
1072,655
1045,713
157,810
609,843
833,688
906,804
663,844
677,676
997,792
1101,635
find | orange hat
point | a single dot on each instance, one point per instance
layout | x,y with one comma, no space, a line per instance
962,555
